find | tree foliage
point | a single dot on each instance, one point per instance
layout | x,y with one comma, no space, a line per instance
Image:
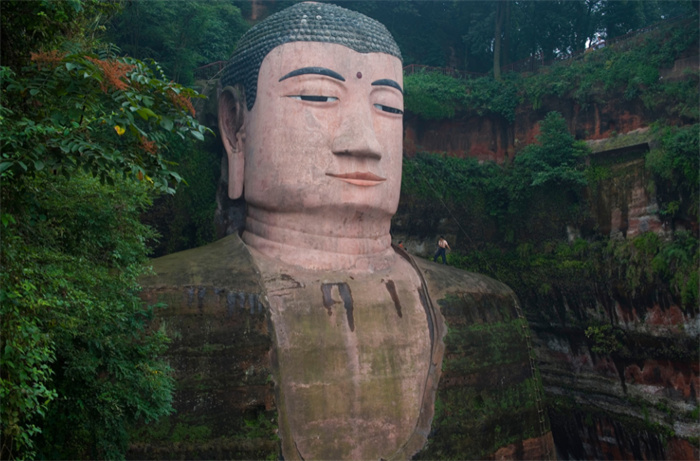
85,138
631,69
180,35
78,364
77,111
466,34
186,219
538,194
46,24
675,165
434,96
556,158
514,220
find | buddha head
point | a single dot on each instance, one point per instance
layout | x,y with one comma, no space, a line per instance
311,117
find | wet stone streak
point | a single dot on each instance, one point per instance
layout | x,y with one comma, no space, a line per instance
345,295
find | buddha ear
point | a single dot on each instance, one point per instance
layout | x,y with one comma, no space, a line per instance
231,115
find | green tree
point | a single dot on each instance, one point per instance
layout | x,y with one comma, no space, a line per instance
433,95
623,16
79,365
70,111
555,159
84,137
180,35
477,33
45,24
675,165
501,29
545,184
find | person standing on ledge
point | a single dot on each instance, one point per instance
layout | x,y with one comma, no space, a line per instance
442,247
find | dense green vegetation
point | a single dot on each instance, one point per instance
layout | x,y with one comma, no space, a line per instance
185,220
78,364
90,138
516,219
511,203
181,35
631,69
433,95
85,138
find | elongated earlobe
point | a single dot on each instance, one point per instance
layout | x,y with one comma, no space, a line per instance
231,115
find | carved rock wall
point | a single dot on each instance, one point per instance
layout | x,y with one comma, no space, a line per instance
623,204
220,354
489,399
640,400
637,400
492,137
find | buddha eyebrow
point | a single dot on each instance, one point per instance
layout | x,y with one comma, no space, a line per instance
314,70
387,82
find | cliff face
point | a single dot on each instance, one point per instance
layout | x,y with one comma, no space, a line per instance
489,402
492,137
629,388
620,369
220,355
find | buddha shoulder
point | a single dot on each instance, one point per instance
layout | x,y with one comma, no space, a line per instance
220,264
445,281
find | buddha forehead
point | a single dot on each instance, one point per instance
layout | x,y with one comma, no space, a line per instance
304,22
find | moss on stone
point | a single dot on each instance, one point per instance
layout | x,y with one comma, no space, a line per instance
487,394
251,436
619,141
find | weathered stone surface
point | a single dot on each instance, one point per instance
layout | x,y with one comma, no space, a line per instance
623,205
492,137
354,359
637,401
489,403
226,363
217,319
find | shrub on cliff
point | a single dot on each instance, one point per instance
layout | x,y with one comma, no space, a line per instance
556,159
675,166
432,95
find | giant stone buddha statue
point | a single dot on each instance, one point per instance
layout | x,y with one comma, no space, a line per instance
350,330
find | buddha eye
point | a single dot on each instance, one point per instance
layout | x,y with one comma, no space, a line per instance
313,98
391,110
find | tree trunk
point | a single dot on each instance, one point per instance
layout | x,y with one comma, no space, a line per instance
254,10
505,53
497,40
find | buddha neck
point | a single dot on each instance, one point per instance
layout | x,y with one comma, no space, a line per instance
324,241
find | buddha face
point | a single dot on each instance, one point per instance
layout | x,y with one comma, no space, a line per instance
325,133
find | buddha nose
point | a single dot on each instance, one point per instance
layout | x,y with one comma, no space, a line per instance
356,136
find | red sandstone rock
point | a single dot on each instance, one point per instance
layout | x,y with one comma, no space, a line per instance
672,315
679,449
535,448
